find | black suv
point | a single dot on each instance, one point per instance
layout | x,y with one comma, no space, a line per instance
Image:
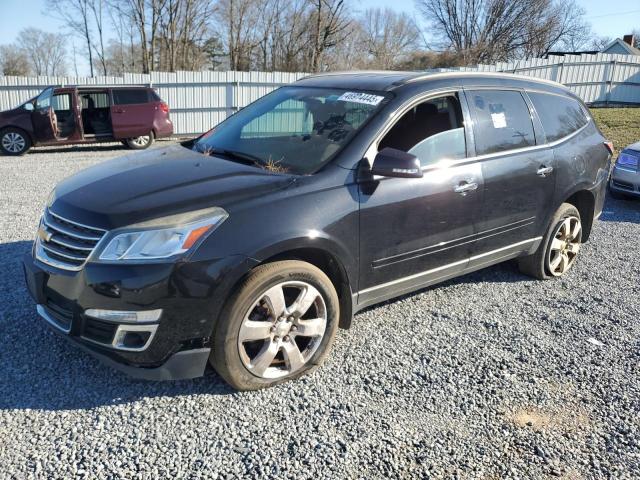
249,246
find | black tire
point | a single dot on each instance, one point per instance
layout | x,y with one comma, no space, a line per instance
14,141
226,357
538,264
140,143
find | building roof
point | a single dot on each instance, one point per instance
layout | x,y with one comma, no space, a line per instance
622,44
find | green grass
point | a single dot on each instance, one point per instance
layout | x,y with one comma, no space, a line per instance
620,125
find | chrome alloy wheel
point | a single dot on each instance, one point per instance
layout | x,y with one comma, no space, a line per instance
141,141
13,142
282,329
564,246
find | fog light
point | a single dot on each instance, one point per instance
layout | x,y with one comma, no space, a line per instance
133,338
120,316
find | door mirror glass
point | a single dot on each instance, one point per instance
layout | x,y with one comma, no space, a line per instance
390,162
28,107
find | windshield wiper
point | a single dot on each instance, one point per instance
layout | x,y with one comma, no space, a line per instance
243,157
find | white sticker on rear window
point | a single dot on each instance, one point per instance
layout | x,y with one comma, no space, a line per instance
499,120
358,97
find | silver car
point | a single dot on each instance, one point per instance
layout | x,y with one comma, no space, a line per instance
625,178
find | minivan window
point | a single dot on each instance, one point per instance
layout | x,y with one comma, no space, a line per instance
432,131
91,100
293,129
560,116
502,121
61,102
123,96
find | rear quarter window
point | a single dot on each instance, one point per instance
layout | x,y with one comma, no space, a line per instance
502,121
560,116
130,96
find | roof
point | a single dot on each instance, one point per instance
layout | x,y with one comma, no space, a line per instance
90,86
389,80
622,44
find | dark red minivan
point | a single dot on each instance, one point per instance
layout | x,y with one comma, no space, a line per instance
86,114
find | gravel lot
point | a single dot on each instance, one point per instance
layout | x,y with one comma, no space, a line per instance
488,376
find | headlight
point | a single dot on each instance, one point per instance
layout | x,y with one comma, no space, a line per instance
159,243
627,160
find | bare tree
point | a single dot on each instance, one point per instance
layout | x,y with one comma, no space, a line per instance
330,22
77,15
599,43
389,36
44,51
14,61
494,30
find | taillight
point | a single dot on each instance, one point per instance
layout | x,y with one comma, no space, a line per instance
164,107
609,146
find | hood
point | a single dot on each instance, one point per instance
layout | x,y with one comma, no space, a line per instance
158,183
634,146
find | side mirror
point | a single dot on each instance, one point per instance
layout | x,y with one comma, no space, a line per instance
28,107
390,162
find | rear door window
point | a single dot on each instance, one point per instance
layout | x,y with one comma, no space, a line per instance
123,96
502,121
560,116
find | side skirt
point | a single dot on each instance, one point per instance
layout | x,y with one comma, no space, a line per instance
401,286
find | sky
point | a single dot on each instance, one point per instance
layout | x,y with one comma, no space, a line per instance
612,18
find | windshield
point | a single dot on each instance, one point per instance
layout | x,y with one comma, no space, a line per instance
293,129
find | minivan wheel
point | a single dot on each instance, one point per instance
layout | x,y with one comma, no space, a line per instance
140,143
559,247
279,325
14,141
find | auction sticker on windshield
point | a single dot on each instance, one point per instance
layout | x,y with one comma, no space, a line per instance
358,97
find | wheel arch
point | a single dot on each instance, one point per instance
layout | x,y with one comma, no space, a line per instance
332,267
22,129
584,200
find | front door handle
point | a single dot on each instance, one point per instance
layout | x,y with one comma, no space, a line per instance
543,171
464,187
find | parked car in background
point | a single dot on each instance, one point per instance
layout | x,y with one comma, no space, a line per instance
86,114
249,246
625,177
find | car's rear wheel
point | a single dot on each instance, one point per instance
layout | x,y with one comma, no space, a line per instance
139,143
14,141
279,325
559,247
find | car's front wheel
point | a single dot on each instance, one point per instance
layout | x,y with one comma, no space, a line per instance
559,247
14,141
279,325
139,143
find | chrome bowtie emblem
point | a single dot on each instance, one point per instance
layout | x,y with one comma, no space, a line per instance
44,235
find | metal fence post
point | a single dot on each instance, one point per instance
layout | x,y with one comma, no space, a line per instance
612,70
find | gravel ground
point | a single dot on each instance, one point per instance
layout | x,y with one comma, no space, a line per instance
488,376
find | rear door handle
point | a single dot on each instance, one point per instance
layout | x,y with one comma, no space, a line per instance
119,110
544,171
464,187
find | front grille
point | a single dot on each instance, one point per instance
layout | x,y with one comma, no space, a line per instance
625,185
99,331
65,244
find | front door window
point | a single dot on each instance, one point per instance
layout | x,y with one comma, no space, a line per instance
432,131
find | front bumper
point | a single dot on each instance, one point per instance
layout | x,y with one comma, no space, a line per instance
625,181
190,295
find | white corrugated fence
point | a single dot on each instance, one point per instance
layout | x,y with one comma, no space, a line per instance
600,79
201,100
